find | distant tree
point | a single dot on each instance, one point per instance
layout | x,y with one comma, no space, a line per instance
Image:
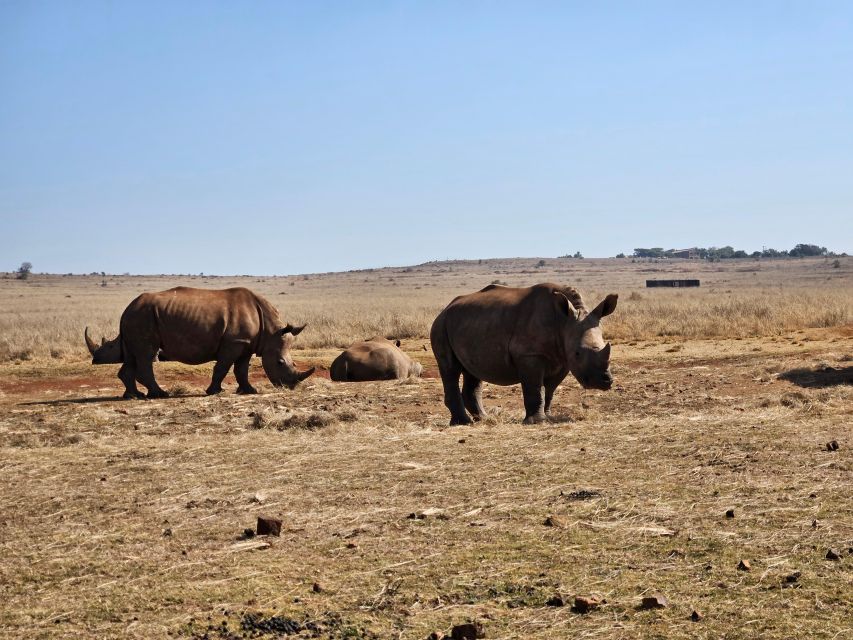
654,252
805,250
540,264
578,255
24,270
620,255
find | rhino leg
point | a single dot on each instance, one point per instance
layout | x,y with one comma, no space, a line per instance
550,386
145,375
241,372
452,397
534,398
220,370
472,395
127,375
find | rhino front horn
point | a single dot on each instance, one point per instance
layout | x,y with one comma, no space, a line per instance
304,374
89,342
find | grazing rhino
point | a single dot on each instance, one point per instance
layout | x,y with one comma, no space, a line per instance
195,326
374,359
505,335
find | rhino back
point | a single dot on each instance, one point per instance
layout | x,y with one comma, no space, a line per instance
490,330
190,324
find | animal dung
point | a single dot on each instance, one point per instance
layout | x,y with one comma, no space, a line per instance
268,526
696,616
468,631
730,513
655,601
832,445
555,601
585,604
832,554
744,565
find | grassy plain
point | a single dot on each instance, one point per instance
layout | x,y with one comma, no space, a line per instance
121,519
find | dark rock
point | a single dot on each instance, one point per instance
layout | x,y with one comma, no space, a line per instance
832,445
316,588
555,521
268,526
832,554
792,578
744,565
730,513
696,616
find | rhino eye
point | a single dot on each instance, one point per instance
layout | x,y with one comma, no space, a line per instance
281,360
577,354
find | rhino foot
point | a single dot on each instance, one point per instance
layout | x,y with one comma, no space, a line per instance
536,419
460,421
212,391
246,391
154,394
133,395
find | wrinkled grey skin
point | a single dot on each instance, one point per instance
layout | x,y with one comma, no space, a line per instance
374,359
195,326
534,335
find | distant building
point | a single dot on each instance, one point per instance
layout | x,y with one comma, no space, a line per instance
689,254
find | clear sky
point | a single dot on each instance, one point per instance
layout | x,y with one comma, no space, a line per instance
288,137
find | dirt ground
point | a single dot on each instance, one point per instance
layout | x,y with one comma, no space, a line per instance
126,518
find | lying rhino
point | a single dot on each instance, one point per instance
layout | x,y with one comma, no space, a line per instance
195,326
374,359
504,335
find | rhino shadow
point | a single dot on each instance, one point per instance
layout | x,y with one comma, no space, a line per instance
818,378
101,399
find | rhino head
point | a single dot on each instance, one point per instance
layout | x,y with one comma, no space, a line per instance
587,354
108,353
276,360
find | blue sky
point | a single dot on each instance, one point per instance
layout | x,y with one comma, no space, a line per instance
285,137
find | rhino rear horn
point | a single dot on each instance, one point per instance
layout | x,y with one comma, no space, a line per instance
89,342
565,304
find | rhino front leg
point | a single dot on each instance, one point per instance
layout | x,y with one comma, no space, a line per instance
241,372
127,375
145,375
534,397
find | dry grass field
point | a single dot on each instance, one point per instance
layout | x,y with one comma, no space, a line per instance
126,519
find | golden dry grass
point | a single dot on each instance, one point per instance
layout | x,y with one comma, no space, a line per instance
123,519
45,316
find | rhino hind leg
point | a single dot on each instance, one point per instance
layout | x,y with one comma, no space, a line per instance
241,372
472,395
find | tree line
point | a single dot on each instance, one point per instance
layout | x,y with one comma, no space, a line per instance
725,253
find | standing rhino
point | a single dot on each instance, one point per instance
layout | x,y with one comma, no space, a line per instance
195,326
374,359
505,335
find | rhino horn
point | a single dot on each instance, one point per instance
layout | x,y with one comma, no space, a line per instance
89,342
304,374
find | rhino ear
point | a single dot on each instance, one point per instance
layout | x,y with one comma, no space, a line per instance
293,330
566,307
606,306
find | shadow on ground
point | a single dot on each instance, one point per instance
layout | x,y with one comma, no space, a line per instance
819,378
